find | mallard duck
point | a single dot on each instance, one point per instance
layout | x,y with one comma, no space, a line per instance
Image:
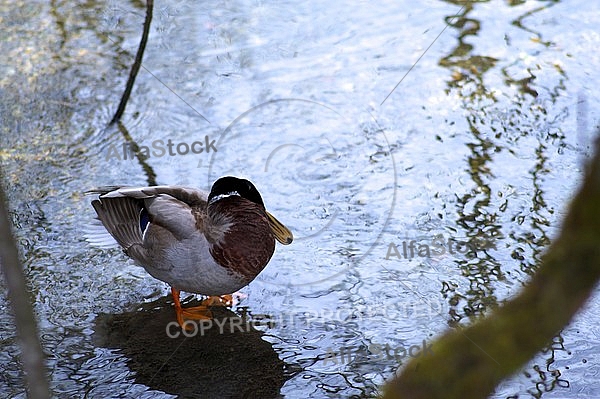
205,243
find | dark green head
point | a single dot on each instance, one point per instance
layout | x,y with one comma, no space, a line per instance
229,185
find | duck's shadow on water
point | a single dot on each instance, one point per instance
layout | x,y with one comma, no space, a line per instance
228,359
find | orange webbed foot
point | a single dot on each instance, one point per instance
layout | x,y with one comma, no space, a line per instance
200,312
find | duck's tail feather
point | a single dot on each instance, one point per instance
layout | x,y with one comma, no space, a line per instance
124,218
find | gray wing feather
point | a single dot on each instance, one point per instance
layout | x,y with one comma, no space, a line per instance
171,214
120,217
188,195
170,207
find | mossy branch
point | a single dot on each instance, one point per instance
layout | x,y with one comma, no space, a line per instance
470,362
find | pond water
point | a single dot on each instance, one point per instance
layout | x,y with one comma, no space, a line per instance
387,191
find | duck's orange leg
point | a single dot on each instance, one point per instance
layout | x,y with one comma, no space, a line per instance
200,312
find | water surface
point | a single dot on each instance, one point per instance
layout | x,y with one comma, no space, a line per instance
483,141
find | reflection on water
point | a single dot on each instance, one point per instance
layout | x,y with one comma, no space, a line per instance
495,129
224,358
481,133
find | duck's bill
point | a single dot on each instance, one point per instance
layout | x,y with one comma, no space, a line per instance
281,233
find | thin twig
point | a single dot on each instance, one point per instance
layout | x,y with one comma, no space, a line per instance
136,65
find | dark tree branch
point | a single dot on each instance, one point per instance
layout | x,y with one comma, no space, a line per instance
18,295
136,65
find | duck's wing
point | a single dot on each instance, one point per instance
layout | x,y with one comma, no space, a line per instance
127,212
188,195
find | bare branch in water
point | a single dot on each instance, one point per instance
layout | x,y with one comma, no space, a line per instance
136,65
31,350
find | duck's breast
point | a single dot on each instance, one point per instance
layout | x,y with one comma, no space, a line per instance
187,265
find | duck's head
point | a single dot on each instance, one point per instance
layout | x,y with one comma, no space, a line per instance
229,185
233,187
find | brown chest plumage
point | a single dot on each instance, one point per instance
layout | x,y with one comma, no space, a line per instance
247,245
